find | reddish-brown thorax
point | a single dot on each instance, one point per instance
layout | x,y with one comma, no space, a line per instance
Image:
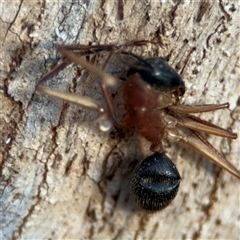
141,104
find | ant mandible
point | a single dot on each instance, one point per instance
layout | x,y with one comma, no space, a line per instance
152,95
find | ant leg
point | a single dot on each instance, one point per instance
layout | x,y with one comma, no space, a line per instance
84,101
105,90
120,9
198,124
87,102
54,72
105,79
197,108
85,50
199,143
108,79
134,58
105,123
82,50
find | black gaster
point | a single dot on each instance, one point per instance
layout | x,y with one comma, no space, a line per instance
155,182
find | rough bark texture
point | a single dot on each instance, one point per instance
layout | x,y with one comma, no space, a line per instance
61,177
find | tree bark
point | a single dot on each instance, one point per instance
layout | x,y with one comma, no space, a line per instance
64,179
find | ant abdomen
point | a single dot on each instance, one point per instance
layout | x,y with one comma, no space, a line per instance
155,182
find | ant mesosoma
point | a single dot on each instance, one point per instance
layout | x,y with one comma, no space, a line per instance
152,96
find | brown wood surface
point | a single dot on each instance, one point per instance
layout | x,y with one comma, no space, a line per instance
64,179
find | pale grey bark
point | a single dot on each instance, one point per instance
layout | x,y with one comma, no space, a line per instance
62,177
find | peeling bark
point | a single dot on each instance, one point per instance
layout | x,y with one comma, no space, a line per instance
62,178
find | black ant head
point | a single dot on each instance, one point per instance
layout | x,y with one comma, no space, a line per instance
155,182
159,75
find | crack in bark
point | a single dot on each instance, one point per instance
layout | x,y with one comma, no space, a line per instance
14,19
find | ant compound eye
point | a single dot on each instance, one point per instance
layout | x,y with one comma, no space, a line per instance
155,182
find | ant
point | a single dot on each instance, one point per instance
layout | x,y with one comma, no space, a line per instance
151,94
